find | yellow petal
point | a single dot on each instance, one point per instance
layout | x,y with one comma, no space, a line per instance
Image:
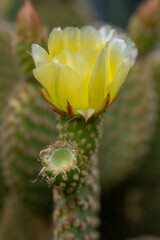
107,33
113,89
70,59
98,80
39,54
74,39
60,81
64,86
83,63
55,42
116,55
131,49
44,73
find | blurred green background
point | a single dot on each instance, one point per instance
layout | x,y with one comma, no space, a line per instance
114,11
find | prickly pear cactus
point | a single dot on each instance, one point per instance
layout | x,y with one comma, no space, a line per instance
8,68
77,214
28,128
147,179
136,201
128,127
8,77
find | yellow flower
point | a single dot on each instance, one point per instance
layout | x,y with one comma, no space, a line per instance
84,70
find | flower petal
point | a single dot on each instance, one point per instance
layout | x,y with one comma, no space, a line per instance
116,49
105,70
107,33
131,49
65,87
44,74
83,63
55,42
39,54
86,113
98,80
61,83
113,89
74,39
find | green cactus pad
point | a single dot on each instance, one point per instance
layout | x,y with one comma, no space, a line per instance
8,78
146,182
29,127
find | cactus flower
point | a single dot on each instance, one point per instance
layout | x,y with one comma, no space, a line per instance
84,69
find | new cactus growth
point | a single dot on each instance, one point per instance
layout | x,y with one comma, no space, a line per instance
29,29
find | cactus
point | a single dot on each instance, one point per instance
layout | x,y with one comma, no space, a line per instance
80,140
138,199
23,108
75,215
75,177
147,178
8,68
29,126
8,77
27,130
128,127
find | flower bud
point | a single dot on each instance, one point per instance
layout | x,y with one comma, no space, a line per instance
29,25
144,26
149,14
